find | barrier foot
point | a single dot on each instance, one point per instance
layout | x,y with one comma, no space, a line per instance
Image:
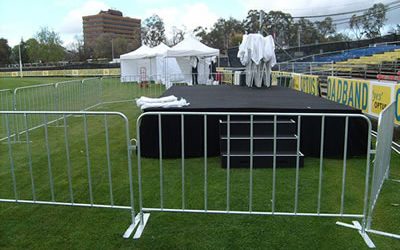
396,236
141,226
357,226
131,228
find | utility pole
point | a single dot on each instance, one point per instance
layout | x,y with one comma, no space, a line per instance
299,30
20,60
261,21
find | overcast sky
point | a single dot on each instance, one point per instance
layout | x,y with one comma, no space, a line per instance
23,18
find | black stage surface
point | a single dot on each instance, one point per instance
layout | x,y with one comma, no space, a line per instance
228,98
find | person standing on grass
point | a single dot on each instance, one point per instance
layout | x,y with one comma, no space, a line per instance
194,61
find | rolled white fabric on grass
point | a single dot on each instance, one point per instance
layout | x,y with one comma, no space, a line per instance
143,100
174,104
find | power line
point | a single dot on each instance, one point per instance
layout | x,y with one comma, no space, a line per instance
342,13
346,20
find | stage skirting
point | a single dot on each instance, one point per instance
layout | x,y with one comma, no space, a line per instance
228,98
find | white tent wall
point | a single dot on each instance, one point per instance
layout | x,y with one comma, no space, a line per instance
186,69
131,69
154,69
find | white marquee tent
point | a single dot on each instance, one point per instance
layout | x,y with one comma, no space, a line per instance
145,64
166,65
190,47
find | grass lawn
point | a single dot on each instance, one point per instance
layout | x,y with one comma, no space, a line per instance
42,226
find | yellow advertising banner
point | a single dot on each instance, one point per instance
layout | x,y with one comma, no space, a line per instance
75,72
381,97
296,81
309,84
276,74
351,92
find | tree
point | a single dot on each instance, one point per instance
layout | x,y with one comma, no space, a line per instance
102,47
121,45
5,51
33,50
14,58
397,29
326,28
153,31
77,49
373,20
307,30
251,23
50,45
177,36
339,37
278,24
223,35
356,26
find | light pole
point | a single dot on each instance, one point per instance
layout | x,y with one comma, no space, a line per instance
299,30
20,60
261,21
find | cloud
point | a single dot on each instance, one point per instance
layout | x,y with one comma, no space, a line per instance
188,16
72,21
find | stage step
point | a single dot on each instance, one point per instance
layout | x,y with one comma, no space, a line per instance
263,142
263,161
264,127
259,145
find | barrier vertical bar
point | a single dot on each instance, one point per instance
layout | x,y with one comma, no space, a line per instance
183,159
228,164
10,156
251,163
29,153
67,153
46,134
344,165
205,164
128,151
274,168
139,159
321,159
296,199
16,138
161,161
110,184
88,158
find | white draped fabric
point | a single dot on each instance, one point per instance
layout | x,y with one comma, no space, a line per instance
257,54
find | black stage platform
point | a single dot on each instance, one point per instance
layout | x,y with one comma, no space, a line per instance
227,98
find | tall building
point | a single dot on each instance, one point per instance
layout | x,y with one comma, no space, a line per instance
111,22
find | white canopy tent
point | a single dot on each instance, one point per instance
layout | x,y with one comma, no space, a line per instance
191,47
148,64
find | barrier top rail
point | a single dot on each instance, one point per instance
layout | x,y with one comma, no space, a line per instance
69,81
34,86
10,112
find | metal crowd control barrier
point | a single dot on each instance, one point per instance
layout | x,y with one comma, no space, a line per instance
381,168
6,103
267,209
73,175
74,95
131,86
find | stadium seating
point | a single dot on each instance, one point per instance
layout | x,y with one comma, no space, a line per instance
356,53
369,62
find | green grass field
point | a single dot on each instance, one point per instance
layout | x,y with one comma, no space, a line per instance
43,226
